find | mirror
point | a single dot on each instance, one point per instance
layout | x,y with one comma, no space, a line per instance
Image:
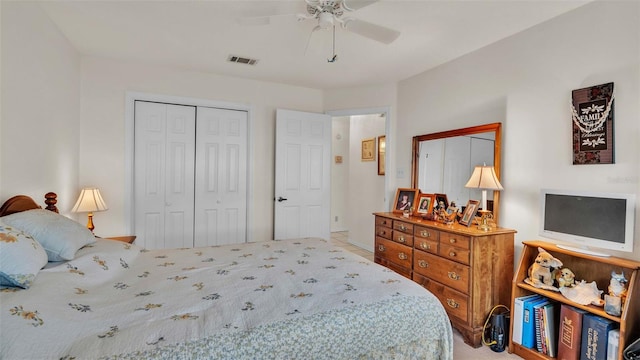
442,162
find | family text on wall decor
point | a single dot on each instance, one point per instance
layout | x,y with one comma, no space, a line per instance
592,117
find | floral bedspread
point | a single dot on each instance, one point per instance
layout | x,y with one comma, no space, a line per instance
292,299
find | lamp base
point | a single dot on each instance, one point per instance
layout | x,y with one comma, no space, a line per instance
484,220
90,222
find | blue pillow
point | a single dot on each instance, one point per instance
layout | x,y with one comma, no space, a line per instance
60,236
21,257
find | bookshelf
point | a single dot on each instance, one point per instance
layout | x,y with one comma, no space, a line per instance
587,267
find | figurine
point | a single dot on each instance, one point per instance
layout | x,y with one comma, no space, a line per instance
565,277
618,285
540,270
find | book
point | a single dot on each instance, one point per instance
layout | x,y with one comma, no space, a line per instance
518,316
528,323
595,336
570,332
550,317
539,330
613,344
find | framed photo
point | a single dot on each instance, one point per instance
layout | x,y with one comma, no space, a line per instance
382,144
425,204
405,199
469,212
368,149
441,198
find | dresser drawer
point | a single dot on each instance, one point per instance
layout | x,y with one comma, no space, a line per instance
394,252
403,238
455,253
426,233
425,244
384,232
383,221
456,240
403,226
454,302
444,271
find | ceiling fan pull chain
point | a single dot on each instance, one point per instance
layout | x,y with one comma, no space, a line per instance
335,56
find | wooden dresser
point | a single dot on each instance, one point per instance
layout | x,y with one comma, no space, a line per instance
470,271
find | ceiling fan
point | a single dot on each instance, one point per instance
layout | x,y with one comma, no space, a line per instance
329,13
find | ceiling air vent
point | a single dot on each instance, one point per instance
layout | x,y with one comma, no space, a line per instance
242,60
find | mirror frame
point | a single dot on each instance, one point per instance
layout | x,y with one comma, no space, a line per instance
493,127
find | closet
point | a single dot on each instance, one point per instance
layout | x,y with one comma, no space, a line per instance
190,175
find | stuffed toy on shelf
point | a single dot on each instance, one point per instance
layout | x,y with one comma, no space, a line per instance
541,269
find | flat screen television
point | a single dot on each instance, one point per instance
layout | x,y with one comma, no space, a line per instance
588,219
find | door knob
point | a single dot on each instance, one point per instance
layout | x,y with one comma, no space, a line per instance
281,199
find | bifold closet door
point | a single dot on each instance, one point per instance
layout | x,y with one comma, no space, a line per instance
164,171
221,177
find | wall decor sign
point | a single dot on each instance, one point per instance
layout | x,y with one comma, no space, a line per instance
368,149
592,118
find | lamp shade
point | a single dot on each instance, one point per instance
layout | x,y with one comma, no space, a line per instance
89,200
484,177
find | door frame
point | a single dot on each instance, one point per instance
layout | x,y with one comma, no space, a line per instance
130,98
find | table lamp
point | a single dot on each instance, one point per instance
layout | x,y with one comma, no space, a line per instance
89,201
485,178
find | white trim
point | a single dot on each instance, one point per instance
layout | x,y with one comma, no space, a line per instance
130,98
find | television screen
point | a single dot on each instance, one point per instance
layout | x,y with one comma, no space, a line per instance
588,219
594,217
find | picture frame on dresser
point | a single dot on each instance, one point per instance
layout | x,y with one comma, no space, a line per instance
441,198
469,212
425,204
405,200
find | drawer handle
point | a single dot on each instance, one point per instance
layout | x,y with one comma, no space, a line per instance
452,303
452,254
401,239
382,232
453,276
423,264
425,233
402,256
425,246
381,248
402,228
452,240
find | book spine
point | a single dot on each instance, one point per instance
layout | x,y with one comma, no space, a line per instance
538,322
570,330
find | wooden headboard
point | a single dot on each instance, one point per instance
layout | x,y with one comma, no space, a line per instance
20,203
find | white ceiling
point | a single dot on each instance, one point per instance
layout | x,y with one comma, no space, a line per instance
200,35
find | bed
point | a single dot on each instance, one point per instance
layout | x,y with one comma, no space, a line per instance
289,299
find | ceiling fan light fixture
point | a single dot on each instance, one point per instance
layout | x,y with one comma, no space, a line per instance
325,20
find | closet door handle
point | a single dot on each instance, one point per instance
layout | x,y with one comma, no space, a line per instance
281,199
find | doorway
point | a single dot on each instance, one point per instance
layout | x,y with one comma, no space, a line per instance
356,188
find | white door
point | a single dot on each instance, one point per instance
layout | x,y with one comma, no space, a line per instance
221,177
302,184
164,174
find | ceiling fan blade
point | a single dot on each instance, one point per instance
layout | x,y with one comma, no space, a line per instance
352,5
264,15
312,41
371,31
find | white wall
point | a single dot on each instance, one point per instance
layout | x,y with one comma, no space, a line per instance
40,107
340,173
102,161
525,82
366,187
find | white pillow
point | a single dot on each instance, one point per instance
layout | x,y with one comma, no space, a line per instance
60,236
21,257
